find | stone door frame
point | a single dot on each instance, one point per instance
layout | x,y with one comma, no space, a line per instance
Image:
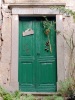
16,12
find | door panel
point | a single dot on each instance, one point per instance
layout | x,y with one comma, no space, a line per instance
26,58
46,61
37,67
46,77
26,42
26,76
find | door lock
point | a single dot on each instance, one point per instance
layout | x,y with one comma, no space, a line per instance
38,53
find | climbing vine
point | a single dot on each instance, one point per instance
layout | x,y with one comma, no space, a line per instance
63,10
47,25
70,42
47,29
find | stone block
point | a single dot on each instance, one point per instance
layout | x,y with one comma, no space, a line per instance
4,73
6,35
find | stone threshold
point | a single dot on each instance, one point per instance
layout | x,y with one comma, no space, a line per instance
40,93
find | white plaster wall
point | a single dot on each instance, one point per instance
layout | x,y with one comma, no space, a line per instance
69,29
5,63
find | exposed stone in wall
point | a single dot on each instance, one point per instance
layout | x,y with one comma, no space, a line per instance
5,62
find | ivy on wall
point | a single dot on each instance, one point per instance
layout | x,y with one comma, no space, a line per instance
63,10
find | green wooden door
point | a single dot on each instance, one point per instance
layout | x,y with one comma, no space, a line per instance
37,66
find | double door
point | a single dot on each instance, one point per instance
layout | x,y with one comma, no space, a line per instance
37,65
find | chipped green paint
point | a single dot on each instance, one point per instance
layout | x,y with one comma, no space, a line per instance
37,66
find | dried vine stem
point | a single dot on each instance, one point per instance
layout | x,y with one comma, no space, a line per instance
50,47
47,29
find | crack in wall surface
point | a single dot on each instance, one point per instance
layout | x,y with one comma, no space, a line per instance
1,39
1,43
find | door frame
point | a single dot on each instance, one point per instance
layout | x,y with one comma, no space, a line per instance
16,12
